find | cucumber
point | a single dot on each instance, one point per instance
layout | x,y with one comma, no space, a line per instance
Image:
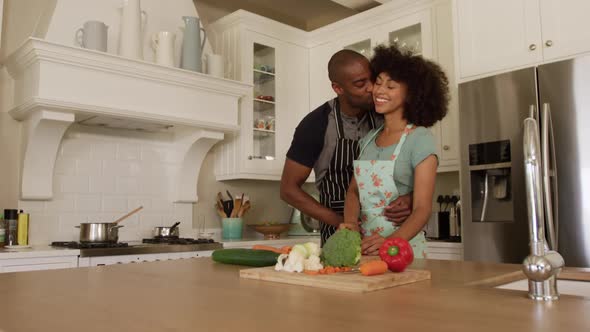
248,257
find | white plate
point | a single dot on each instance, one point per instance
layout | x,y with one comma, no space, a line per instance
17,247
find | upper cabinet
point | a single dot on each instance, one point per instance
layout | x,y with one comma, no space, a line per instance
411,30
425,30
277,68
501,35
562,26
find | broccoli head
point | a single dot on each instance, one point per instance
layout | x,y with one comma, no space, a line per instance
342,249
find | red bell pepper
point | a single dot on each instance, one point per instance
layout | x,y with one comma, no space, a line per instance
397,253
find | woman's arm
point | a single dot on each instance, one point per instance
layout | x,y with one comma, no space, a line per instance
352,206
424,180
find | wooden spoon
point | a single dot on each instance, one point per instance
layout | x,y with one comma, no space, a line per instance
127,215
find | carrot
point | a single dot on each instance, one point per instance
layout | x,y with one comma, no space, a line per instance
311,272
338,269
347,269
330,270
267,248
286,249
373,268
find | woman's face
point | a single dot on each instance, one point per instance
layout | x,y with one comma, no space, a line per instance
388,95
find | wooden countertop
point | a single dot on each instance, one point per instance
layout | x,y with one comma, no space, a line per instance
200,295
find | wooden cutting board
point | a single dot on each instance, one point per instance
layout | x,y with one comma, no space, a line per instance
349,282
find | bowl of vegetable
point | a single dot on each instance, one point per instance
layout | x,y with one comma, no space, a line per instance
271,230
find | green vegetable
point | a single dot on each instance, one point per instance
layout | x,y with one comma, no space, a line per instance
342,249
248,257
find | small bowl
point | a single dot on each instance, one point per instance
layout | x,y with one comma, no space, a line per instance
271,231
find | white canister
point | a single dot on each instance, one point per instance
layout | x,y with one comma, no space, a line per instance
163,46
214,65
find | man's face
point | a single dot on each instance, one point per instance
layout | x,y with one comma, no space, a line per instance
355,84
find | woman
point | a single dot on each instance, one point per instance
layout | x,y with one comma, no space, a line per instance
399,157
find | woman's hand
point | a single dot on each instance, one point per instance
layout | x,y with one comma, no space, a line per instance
370,245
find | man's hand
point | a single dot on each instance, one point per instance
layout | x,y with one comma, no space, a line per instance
399,210
349,226
370,245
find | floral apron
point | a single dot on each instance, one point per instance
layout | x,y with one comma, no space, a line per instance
377,189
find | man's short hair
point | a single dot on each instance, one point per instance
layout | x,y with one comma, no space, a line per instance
340,60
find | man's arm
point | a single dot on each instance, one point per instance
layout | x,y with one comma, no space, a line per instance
400,209
294,175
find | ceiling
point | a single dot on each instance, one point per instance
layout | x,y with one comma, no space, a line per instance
303,14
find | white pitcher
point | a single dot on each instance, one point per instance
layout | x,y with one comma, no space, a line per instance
163,46
131,38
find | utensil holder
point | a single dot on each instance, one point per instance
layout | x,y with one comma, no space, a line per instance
231,228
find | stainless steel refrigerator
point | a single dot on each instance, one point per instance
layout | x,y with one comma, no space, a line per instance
492,111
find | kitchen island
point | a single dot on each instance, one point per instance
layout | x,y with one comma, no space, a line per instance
201,295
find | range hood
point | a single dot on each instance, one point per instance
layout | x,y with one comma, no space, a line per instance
57,85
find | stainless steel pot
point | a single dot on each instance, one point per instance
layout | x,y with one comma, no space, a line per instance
94,232
171,231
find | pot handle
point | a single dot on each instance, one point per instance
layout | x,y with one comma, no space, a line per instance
77,226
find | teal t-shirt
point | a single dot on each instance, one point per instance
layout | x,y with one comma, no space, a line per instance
418,146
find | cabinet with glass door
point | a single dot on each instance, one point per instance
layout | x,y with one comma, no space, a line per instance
275,63
264,110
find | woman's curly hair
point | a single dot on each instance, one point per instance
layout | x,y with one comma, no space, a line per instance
427,96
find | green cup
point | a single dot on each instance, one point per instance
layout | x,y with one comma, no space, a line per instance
231,228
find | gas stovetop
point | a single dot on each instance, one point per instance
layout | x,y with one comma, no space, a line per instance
176,240
149,246
91,245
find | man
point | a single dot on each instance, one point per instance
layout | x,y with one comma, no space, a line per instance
326,140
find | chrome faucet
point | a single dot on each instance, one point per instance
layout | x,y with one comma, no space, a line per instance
542,265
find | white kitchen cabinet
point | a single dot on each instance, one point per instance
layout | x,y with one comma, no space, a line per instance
134,259
564,26
277,68
37,263
494,36
444,250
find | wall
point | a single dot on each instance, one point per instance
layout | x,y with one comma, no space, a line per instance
100,174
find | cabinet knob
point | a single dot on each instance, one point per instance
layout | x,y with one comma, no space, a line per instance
446,148
549,43
532,47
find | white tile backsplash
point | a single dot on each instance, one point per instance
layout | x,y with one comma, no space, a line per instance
100,175
88,167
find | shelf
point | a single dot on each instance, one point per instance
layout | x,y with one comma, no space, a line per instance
264,101
265,131
264,72
57,85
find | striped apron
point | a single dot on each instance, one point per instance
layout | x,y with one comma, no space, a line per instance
340,171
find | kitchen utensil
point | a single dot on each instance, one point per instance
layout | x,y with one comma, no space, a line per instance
229,195
93,36
244,208
127,215
99,232
192,46
348,282
163,46
132,27
237,206
164,232
271,232
227,207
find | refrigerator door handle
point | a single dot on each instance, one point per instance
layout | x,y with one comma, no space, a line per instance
549,176
533,113
486,194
